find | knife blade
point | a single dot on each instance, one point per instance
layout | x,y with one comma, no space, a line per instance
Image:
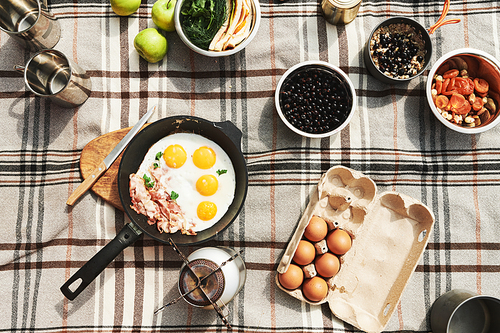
108,160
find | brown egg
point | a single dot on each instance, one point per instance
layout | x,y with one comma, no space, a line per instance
315,289
339,241
292,278
327,265
305,253
316,229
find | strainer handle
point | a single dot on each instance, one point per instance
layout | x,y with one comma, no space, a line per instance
19,68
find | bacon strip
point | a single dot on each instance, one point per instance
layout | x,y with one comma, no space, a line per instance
156,204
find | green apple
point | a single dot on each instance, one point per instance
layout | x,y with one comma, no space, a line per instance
163,14
151,45
125,7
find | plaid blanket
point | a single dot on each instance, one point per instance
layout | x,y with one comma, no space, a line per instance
393,138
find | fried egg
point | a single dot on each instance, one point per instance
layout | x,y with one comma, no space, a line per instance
199,171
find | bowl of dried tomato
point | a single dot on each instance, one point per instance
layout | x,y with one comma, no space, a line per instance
463,90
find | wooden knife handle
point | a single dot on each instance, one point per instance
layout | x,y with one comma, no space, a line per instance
87,183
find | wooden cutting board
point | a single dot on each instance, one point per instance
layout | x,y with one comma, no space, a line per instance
92,155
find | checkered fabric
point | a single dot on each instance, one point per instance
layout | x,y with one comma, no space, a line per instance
393,138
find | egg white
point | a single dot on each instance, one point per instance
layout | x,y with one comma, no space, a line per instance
183,180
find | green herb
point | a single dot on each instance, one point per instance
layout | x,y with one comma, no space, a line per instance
202,19
148,182
174,195
156,165
221,172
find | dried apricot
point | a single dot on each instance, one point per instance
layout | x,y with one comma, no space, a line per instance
450,74
457,100
439,86
459,104
482,86
445,85
482,94
441,101
451,85
464,109
464,86
478,103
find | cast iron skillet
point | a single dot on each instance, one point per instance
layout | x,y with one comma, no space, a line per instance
225,134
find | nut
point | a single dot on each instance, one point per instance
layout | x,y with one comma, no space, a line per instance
469,120
485,116
480,112
477,120
446,115
490,105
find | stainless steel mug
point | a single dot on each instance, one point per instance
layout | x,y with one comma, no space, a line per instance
462,311
340,12
49,73
30,23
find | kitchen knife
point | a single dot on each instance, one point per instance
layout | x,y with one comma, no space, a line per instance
108,160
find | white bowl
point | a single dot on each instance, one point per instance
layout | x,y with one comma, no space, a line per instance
480,64
316,64
255,27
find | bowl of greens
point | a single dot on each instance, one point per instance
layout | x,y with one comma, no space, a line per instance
217,28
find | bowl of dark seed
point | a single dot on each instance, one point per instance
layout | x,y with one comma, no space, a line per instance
315,99
399,49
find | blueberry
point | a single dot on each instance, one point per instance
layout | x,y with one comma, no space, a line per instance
317,103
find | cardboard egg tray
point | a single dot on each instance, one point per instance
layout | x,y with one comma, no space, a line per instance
389,234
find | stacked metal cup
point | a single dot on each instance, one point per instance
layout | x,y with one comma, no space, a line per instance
49,73
29,23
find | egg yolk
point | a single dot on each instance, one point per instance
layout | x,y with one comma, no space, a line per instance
204,157
206,210
207,185
174,156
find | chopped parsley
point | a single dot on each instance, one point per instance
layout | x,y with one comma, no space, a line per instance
221,172
157,158
174,195
148,182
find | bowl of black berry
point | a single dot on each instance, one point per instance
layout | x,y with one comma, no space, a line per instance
315,99
399,49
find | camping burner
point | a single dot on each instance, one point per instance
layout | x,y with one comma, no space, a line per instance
213,285
202,282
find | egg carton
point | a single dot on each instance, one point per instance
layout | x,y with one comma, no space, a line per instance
389,233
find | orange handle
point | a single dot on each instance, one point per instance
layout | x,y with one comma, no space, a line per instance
87,183
440,22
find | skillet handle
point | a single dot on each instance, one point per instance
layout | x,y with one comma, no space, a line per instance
88,272
231,131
